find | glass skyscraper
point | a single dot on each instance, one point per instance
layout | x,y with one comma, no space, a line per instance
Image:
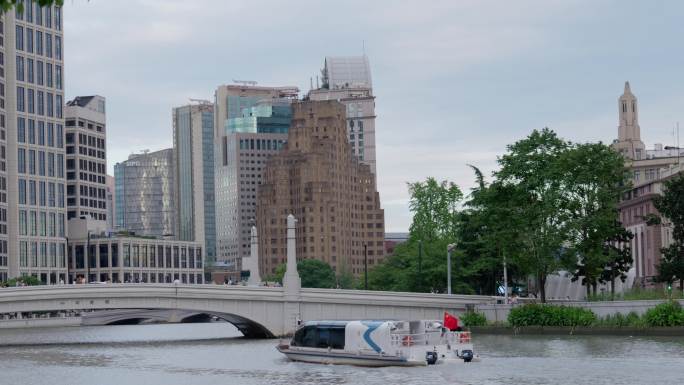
193,143
348,80
252,125
144,194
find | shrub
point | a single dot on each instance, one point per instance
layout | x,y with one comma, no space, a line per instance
472,318
27,280
620,320
666,314
550,315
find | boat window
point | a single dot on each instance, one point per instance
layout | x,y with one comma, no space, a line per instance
306,336
323,337
320,337
337,338
309,339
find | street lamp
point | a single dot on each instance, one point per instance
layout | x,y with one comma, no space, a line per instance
505,272
450,248
68,259
365,266
87,261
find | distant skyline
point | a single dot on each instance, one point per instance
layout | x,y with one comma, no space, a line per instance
455,81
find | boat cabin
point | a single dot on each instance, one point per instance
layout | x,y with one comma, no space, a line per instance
321,334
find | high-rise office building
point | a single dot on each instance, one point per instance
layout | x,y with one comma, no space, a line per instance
144,193
193,145
32,180
251,124
346,72
330,192
111,202
348,80
86,158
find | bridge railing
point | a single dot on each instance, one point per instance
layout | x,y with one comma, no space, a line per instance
370,295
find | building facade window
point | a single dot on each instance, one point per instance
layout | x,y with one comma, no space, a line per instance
21,130
20,37
20,99
20,68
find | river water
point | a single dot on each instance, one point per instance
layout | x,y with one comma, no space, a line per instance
214,353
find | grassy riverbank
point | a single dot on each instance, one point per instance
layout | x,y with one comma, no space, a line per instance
585,331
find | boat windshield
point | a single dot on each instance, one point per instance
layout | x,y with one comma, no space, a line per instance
316,336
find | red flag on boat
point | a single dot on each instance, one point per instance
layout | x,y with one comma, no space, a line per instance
450,322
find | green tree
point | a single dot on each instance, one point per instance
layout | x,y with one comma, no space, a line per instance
312,272
436,218
345,280
316,273
6,5
278,275
593,177
618,255
435,209
489,234
435,223
671,206
530,171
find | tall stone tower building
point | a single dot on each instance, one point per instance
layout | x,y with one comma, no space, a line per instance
330,192
629,141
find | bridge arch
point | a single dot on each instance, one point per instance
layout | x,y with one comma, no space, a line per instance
249,328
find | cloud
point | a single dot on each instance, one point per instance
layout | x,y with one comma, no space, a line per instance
455,80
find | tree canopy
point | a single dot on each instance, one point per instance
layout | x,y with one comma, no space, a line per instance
671,206
551,205
594,177
6,5
312,272
420,263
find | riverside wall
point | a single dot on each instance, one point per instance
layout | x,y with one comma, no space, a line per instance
499,312
39,322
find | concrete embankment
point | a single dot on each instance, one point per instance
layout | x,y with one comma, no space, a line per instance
40,322
585,331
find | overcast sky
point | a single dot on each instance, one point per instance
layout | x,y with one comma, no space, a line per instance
455,81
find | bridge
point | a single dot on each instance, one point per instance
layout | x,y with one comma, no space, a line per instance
258,312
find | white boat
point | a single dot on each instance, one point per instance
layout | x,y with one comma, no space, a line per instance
378,343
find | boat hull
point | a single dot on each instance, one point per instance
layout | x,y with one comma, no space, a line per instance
340,358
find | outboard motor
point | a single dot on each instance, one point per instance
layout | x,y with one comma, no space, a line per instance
467,355
431,358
